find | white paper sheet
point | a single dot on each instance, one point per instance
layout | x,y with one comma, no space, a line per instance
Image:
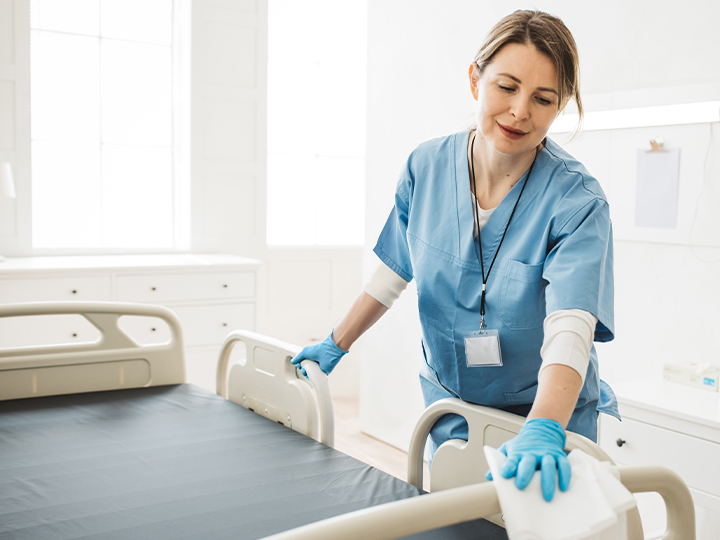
656,196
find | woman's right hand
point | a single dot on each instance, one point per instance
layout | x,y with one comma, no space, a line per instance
327,354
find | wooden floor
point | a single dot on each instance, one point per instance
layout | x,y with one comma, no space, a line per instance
351,441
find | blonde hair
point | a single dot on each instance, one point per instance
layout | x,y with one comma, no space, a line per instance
550,36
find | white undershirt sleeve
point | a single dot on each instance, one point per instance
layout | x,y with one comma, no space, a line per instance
568,338
385,286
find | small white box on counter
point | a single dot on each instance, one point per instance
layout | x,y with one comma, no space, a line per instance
705,376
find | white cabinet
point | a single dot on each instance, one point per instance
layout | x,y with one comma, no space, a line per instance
212,295
673,425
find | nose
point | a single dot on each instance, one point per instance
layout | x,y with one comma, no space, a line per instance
520,108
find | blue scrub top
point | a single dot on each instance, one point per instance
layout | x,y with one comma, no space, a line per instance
557,254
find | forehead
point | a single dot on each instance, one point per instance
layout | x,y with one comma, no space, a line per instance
525,63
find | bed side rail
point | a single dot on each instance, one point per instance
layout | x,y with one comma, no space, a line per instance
268,384
113,362
458,463
458,505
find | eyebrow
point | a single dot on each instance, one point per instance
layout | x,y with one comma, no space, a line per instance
541,88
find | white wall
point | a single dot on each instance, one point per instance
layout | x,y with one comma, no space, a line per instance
632,53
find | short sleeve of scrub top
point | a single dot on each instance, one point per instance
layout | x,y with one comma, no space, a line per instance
578,266
392,245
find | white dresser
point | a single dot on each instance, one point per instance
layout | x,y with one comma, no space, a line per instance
211,294
674,425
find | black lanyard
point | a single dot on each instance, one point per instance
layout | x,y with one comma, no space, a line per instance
477,225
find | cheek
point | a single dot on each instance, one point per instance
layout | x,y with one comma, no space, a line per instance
487,108
546,118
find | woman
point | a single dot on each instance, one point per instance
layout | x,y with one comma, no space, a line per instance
508,315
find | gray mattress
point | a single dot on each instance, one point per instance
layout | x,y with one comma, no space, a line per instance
175,462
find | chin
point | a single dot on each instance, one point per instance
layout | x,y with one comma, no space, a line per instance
510,147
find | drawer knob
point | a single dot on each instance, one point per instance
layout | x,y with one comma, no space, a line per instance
153,288
225,286
74,291
224,324
74,335
619,441
152,329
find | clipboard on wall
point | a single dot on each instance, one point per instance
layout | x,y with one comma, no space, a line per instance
656,193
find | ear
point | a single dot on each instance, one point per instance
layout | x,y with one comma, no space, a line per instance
473,80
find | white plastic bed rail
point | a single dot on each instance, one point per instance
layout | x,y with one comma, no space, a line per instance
271,386
113,362
435,510
458,463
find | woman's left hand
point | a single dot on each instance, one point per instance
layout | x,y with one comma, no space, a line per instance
540,444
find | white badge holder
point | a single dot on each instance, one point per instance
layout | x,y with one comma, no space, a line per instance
482,348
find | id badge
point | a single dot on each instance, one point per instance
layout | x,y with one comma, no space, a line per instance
482,349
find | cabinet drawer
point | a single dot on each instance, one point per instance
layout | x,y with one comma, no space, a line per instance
645,444
160,288
46,330
210,325
92,288
145,330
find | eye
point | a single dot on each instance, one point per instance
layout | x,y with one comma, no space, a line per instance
506,88
544,101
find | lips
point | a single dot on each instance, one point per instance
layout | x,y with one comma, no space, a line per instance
511,133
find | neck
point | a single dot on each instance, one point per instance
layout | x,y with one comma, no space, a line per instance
495,173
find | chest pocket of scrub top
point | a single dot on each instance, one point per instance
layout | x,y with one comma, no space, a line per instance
522,299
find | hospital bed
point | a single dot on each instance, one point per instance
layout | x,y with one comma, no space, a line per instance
114,445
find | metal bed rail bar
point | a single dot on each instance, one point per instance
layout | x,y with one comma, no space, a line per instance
411,516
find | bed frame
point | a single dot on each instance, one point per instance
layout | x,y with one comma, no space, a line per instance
268,384
443,508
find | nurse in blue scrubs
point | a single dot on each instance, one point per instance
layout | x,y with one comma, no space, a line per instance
509,240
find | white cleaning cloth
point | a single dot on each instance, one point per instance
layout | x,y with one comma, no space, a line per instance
593,507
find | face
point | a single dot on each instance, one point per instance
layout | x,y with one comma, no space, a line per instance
517,99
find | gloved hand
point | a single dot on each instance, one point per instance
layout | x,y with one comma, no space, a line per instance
327,354
540,444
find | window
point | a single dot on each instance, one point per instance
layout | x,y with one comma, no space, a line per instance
316,122
104,126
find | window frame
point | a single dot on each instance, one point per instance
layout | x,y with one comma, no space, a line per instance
181,98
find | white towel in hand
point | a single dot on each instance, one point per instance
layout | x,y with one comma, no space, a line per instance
593,507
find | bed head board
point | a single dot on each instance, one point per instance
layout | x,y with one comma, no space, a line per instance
113,362
268,384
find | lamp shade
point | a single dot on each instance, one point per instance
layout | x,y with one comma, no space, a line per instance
7,185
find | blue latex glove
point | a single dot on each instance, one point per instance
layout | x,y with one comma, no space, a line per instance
327,354
540,444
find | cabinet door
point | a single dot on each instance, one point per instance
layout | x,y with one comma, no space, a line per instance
82,288
631,442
